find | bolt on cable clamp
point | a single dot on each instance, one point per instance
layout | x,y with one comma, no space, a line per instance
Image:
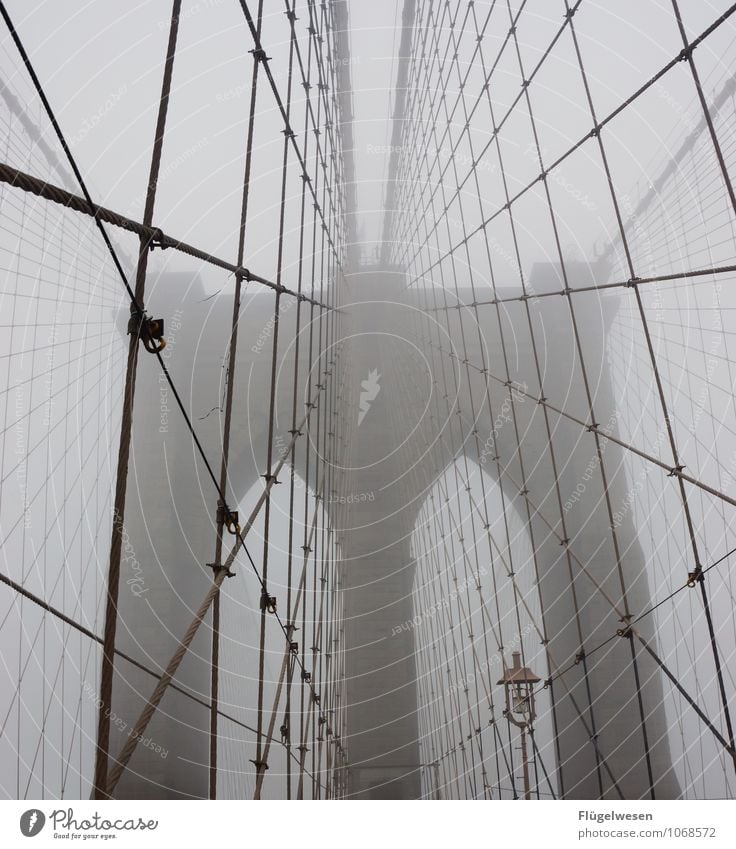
150,331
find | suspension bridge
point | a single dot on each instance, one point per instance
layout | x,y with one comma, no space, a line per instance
305,497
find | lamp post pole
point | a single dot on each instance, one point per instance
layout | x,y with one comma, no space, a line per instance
525,763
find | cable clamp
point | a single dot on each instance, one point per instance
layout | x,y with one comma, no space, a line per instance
695,577
157,239
685,53
150,331
218,567
268,602
580,656
306,676
675,472
228,519
259,54
625,632
294,647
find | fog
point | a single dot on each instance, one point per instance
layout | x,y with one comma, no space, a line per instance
530,422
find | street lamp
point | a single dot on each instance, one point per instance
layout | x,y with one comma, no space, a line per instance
518,682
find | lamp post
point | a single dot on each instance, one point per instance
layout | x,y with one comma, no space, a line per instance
518,682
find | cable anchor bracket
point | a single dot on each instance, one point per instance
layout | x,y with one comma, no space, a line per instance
268,602
150,331
228,519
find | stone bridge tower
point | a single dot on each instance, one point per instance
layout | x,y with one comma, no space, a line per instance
397,445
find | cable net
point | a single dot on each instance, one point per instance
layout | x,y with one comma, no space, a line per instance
561,197
560,201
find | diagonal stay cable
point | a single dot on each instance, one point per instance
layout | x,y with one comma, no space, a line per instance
155,236
165,680
73,623
77,626
676,472
260,54
91,208
593,133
